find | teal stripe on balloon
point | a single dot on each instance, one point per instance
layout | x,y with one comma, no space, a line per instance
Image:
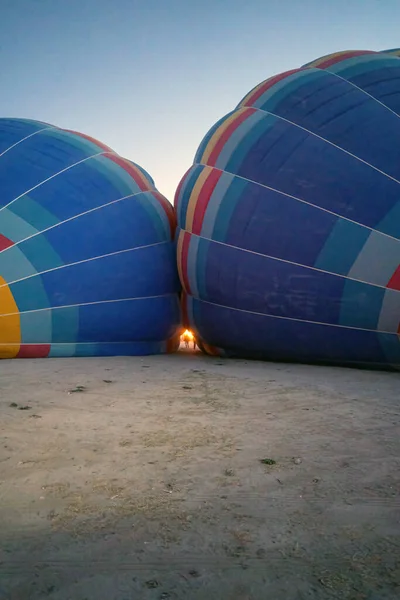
280,90
362,64
186,191
36,327
360,305
14,265
91,349
156,216
391,346
208,136
244,147
192,264
214,203
62,351
30,294
342,247
123,183
75,141
154,204
236,138
14,227
40,254
65,324
201,267
390,224
389,318
227,208
33,213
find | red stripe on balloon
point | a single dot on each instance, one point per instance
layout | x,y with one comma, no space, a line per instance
394,283
184,261
34,351
203,200
346,56
169,210
133,172
5,242
227,133
267,85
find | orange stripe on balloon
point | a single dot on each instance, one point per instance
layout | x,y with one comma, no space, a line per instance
191,207
10,324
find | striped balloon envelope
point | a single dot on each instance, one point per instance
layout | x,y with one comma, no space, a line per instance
289,219
87,259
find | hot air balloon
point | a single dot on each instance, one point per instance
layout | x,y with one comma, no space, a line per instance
87,259
289,219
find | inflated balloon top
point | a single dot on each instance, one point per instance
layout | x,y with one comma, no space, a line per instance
289,219
87,263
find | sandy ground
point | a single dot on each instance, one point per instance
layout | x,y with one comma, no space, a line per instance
147,482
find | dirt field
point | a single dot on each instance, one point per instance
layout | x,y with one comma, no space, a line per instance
147,482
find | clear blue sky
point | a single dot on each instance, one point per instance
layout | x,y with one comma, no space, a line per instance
149,77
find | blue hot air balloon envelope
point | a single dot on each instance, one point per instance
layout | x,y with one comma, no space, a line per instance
289,219
87,261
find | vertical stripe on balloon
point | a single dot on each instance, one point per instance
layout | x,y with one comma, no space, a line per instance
185,193
219,131
183,250
327,61
210,134
10,326
236,138
5,243
203,199
258,91
394,282
194,195
214,204
179,189
34,351
135,173
192,261
90,139
168,210
225,131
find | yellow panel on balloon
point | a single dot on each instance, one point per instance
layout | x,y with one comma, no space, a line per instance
10,327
